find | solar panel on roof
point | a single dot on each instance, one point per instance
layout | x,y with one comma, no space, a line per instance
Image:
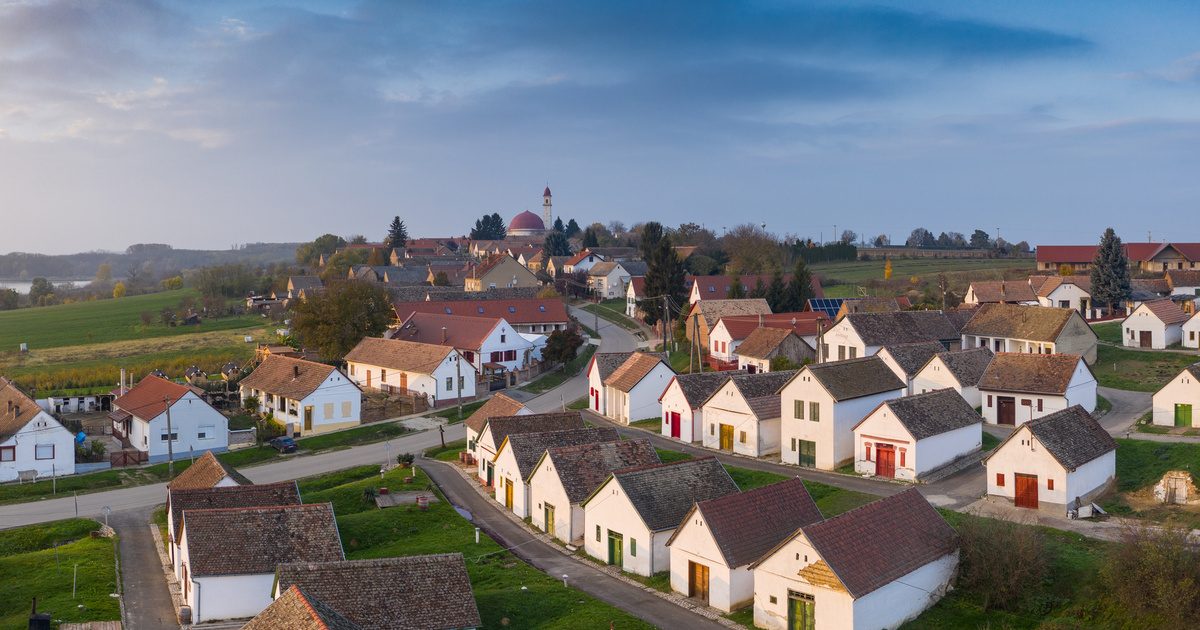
829,306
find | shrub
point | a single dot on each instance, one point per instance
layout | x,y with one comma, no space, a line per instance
1000,560
1154,572
405,459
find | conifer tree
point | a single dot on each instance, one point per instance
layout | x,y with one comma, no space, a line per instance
799,289
737,290
775,292
397,233
1110,272
664,273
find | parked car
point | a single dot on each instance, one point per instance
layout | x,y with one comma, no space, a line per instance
283,444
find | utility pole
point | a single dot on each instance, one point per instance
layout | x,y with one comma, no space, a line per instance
820,342
170,446
458,374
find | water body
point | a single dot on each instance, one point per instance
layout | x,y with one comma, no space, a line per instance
23,287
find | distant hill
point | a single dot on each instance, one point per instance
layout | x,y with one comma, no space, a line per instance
160,258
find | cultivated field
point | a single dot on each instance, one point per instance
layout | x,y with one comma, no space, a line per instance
863,270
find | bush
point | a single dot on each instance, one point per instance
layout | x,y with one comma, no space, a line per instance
405,459
1154,572
1000,561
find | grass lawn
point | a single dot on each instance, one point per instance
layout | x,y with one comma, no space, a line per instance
1103,405
1138,370
990,441
1108,331
1141,463
578,403
649,424
569,369
861,270
509,592
30,568
451,413
613,315
448,454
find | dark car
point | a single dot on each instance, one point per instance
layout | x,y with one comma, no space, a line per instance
283,444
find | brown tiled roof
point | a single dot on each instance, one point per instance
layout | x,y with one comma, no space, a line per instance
870,546
12,401
514,311
504,426
1053,282
149,398
608,362
430,592
883,329
1167,311
763,342
583,467
297,610
245,541
397,354
804,323
205,472
450,330
1183,278
662,494
578,258
528,448
932,413
967,366
911,357
490,263
602,269
697,387
713,310
760,391
1003,291
498,405
212,497
855,378
1030,373
288,377
1071,436
1015,321
746,525
1150,286
632,371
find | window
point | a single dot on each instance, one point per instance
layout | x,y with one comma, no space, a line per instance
510,355
633,547
205,433
503,337
742,437
1049,484
329,411
497,357
43,451
597,533
512,309
449,383
712,429
351,369
346,409
853,352
793,444
867,446
461,381
798,409
774,600
1000,480
989,400
469,356
1039,404
814,412
174,436
902,453
542,308
841,353
382,376
8,453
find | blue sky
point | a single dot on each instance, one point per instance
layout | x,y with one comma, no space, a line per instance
209,124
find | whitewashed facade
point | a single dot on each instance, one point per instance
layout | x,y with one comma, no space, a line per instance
37,442
450,380
1190,331
912,456
935,375
1177,404
1081,390
335,404
1143,324
641,401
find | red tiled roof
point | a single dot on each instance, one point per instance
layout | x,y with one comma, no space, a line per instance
574,260
1167,311
150,397
740,326
717,287
639,285
516,311
460,331
1136,252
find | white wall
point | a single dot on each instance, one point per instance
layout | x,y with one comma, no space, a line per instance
843,335
690,426
508,473
432,385
1028,458
728,407
502,338
1183,389
641,402
935,375
1084,482
545,487
833,434
41,429
937,450
229,596
610,509
889,361
1072,294
336,403
920,456
597,399
1191,332
722,345
1161,335
907,597
190,416
728,589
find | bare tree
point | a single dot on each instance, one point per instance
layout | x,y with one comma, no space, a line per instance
849,236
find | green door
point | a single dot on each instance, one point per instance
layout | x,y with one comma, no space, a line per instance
615,552
801,611
808,454
1183,415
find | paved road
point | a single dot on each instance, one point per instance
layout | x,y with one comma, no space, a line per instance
148,604
1127,407
486,514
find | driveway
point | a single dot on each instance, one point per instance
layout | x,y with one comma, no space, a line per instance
1127,407
148,603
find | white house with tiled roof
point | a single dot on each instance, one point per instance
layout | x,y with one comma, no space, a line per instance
683,404
140,418
634,387
1030,329
498,405
960,370
439,373
742,415
1016,388
907,438
306,396
1155,324
1190,331
518,454
31,440
1177,404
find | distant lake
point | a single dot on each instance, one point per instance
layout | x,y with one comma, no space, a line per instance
23,287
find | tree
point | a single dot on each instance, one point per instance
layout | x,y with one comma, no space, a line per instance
1152,572
337,266
548,291
887,269
118,290
980,240
441,279
358,239
9,299
944,241
556,244
376,258
558,225
849,236
41,288
572,228
1000,561
775,292
1021,248
759,290
104,272
562,346
799,289
751,249
737,290
920,237
397,234
882,241
334,321
489,228
664,273
324,245
172,283
1110,272
590,239
701,265
147,318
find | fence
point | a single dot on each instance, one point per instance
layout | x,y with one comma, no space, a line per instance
242,438
128,458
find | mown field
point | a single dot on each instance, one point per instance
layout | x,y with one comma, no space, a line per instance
863,270
31,567
1138,370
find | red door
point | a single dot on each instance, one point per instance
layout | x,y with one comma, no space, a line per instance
1027,491
596,399
675,424
885,461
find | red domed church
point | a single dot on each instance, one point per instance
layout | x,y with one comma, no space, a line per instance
530,224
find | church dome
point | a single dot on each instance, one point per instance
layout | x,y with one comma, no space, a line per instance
527,222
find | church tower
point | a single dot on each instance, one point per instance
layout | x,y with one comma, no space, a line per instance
547,212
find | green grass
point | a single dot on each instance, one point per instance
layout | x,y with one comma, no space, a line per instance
745,616
666,456
32,568
1108,331
448,454
241,421
569,369
614,316
451,413
578,403
990,441
747,479
332,480
509,592
649,424
862,270
1103,405
660,581
1138,370
1141,463
105,320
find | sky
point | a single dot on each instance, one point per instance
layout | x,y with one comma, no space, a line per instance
208,124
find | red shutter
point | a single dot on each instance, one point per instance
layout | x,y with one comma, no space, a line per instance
1000,479
868,445
901,458
989,400
1049,484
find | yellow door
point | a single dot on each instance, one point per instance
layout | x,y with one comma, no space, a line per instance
508,493
308,414
548,515
726,437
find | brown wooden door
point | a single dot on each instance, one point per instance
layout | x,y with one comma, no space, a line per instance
404,382
1027,491
1006,410
698,581
885,461
1145,339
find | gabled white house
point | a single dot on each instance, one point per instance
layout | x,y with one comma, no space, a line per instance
520,452
566,475
220,497
960,370
1155,324
628,519
634,292
719,539
682,403
496,406
1190,331
1055,462
858,335
139,417
206,472
601,366
583,261
31,439
497,428
607,280
1177,403
1073,292
1030,329
742,415
483,341
308,397
439,373
908,438
1016,388
873,567
906,359
634,387
821,404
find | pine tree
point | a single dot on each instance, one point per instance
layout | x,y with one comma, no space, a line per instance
775,292
397,234
589,238
759,290
489,228
664,273
558,225
556,244
799,289
572,228
737,290
1110,272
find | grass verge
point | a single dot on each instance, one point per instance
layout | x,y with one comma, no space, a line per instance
613,316
1138,370
990,441
649,424
1108,331
32,567
569,369
448,454
451,413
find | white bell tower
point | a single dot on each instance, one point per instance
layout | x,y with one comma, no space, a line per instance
547,211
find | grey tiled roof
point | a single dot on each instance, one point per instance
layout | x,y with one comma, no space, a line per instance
967,366
582,468
699,386
662,494
855,378
252,541
1071,436
933,413
761,383
267,494
608,362
529,447
409,592
912,356
504,426
882,329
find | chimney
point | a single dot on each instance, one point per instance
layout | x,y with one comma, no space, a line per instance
443,334
295,371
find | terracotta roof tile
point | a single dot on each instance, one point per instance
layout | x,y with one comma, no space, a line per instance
297,610
633,370
251,541
397,354
17,409
763,342
1030,373
1015,321
1167,311
205,472
288,377
608,362
804,323
1183,278
212,497
149,398
451,330
583,467
528,448
717,287
514,311
1003,291
498,405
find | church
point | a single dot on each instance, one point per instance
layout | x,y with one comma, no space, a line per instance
530,224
